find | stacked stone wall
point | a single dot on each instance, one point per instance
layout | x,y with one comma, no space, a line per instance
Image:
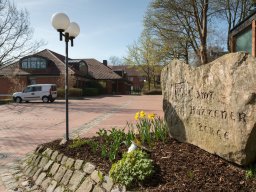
51,171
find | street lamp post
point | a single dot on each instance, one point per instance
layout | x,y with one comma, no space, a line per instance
68,30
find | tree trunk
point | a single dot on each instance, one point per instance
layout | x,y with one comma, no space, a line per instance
228,42
148,85
186,54
203,54
201,22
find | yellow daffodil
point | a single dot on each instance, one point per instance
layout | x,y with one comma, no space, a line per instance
151,116
142,114
137,115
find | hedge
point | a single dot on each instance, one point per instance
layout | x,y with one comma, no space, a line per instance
90,91
153,92
73,92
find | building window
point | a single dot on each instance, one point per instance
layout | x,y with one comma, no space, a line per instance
244,41
33,63
83,68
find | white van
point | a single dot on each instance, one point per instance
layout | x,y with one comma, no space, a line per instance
44,92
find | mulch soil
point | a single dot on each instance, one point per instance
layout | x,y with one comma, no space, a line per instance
178,167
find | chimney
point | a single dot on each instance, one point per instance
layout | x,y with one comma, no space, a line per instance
105,62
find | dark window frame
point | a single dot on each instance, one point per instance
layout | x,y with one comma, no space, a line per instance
34,62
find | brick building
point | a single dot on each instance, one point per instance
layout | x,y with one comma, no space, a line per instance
132,74
137,78
49,67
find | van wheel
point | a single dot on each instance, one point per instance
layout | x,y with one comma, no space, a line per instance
45,99
52,100
18,100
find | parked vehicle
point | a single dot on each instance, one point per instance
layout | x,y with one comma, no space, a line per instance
44,92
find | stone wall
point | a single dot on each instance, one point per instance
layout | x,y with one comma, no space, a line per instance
52,171
214,106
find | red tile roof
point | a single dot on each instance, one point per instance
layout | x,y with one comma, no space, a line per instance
96,69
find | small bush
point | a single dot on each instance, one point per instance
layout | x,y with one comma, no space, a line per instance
90,91
98,85
153,92
5,101
136,91
250,172
75,92
78,142
72,92
61,92
133,168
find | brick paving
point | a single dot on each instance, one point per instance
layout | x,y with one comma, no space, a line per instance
24,126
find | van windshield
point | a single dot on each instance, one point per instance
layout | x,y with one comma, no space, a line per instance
27,89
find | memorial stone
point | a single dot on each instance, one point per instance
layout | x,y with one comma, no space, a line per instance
213,106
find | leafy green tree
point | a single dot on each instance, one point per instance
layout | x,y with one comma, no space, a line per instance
147,55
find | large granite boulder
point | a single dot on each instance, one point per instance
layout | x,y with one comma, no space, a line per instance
214,106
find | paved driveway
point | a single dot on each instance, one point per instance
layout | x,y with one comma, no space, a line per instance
24,126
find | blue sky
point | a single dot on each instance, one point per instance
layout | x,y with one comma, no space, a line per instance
107,27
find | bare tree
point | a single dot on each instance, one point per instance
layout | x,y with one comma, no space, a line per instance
183,21
186,24
114,60
15,33
159,24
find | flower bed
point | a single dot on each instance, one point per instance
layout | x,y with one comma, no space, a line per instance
174,166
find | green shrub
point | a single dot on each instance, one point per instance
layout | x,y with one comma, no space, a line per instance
136,91
5,101
250,172
61,92
90,91
72,92
132,169
96,84
77,142
75,92
153,92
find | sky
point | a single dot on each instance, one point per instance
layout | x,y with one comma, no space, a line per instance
107,27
